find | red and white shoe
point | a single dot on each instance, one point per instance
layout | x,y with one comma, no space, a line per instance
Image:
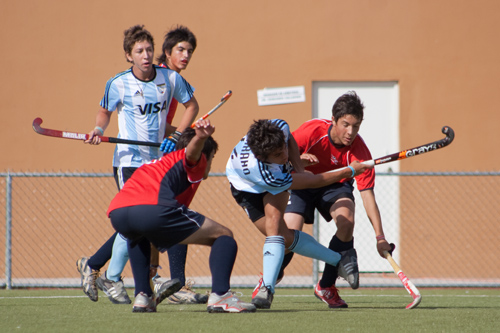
330,296
259,285
228,303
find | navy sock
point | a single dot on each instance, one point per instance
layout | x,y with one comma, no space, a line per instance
140,259
330,273
102,256
286,260
177,262
221,261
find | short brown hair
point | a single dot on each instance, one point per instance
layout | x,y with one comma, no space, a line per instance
136,34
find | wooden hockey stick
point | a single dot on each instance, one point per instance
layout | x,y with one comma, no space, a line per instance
222,101
81,136
409,286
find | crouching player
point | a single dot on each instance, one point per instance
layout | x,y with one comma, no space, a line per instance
259,171
152,207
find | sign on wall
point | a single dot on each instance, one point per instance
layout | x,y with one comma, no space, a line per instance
284,95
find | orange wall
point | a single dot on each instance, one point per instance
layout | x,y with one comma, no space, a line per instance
57,56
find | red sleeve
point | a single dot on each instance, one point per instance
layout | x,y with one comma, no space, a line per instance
360,152
171,111
309,132
196,172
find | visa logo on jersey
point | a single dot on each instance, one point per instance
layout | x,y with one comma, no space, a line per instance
152,108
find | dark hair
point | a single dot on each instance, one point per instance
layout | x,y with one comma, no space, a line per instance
264,137
136,34
174,37
348,104
211,146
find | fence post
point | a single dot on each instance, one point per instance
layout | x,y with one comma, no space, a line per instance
8,232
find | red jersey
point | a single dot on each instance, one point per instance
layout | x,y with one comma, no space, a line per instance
313,137
167,181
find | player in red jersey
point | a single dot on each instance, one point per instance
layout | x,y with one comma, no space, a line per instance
152,208
327,145
178,47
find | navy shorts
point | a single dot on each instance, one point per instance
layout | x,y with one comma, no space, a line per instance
252,203
122,174
163,226
303,202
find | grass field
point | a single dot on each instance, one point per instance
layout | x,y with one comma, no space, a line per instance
293,310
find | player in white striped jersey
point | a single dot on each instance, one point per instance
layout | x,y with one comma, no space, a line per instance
141,96
259,171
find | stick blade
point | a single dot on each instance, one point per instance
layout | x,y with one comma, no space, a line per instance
415,303
36,124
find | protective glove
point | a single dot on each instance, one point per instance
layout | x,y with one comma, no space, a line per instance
168,145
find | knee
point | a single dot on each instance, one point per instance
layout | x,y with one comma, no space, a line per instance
226,232
345,226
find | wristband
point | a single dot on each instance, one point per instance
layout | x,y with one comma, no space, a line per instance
353,171
155,266
176,135
99,129
380,237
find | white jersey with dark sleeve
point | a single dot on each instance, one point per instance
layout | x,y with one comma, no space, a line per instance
246,173
142,109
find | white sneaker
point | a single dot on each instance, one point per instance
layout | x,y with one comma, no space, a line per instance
263,298
144,303
165,289
348,267
228,303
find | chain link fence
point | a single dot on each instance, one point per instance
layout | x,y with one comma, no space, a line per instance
445,225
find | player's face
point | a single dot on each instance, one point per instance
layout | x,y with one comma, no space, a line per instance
180,56
345,130
209,166
279,156
142,58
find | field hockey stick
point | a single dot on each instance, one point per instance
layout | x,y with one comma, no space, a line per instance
80,136
222,101
448,131
409,286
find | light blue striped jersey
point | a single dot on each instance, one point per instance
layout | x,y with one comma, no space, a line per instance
246,173
142,111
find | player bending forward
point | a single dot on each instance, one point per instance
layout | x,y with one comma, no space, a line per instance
259,171
148,209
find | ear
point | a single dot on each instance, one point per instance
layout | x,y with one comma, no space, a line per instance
129,57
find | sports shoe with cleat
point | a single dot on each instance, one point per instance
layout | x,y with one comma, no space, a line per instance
166,289
330,296
261,280
144,303
348,267
88,278
187,296
114,290
228,303
263,299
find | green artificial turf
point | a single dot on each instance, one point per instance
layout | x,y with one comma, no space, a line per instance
293,310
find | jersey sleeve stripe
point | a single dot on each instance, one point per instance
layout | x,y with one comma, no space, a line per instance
270,180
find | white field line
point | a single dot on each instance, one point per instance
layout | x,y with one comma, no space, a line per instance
344,295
